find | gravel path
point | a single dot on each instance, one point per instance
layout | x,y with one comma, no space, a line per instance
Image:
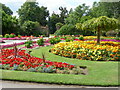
16,84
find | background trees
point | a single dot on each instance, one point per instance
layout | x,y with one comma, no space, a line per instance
9,22
35,19
32,12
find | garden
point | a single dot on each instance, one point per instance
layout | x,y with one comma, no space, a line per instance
66,49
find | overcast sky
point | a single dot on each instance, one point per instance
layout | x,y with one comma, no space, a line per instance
52,5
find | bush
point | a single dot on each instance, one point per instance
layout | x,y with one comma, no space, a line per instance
12,35
67,30
81,38
19,36
40,42
54,40
28,44
6,36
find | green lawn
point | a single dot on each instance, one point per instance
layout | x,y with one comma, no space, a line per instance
100,73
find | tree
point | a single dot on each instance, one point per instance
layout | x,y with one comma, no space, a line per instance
6,9
63,14
55,18
75,16
99,24
109,9
30,28
30,11
9,24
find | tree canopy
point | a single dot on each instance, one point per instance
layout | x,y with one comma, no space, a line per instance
99,24
30,11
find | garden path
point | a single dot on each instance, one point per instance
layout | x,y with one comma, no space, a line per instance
16,84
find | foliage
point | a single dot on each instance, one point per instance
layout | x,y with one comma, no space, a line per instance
12,35
40,41
6,35
29,43
58,25
6,9
52,21
63,14
30,11
102,23
75,16
81,38
109,9
9,23
67,30
30,28
54,40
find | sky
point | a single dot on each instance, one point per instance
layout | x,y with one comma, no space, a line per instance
52,5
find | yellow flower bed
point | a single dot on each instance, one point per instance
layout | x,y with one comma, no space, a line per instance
88,50
95,37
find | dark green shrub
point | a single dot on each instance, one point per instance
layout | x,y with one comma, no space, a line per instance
40,41
54,40
81,38
28,44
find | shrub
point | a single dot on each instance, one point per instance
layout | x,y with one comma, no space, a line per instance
6,36
12,35
19,36
28,44
54,40
81,38
40,42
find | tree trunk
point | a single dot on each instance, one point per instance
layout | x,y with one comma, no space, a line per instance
98,36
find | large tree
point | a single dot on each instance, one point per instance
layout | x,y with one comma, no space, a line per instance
53,19
6,9
9,24
32,12
109,9
75,16
63,14
99,24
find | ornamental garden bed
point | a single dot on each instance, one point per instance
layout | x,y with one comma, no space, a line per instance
94,73
88,50
16,59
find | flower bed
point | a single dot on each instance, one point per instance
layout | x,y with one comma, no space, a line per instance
19,38
88,50
16,59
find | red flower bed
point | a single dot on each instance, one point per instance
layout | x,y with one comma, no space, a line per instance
15,59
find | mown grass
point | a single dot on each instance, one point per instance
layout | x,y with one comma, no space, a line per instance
100,73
